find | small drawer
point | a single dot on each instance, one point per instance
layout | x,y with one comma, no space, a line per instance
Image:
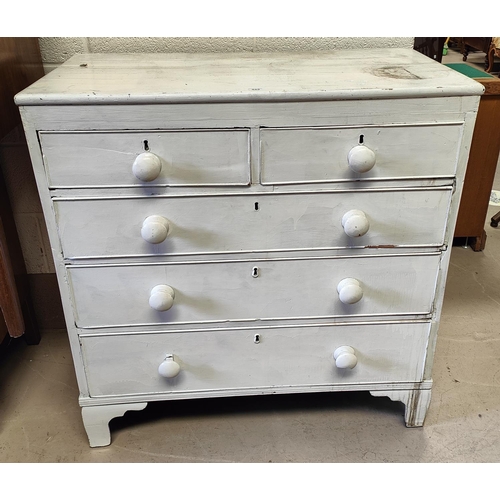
147,158
222,224
180,293
309,155
236,361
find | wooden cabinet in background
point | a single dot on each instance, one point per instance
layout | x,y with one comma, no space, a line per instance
20,66
482,44
483,159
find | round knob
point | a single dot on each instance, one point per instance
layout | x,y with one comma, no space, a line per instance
155,229
350,291
147,167
361,159
345,357
169,368
162,297
355,223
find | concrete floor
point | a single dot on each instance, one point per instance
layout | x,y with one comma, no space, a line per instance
40,418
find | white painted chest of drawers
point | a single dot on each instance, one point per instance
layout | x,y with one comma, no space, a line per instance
228,225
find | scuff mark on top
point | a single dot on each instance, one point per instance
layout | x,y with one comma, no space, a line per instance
397,72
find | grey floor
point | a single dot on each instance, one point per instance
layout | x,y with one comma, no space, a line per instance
40,418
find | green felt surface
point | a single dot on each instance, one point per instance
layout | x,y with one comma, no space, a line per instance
469,71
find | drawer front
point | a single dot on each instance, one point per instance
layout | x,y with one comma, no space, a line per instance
252,290
202,225
321,155
188,158
232,360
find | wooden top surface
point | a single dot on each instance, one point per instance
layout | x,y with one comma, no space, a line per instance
246,77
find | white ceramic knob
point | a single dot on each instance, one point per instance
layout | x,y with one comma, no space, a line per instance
155,229
355,223
345,357
169,368
162,297
147,167
350,291
361,159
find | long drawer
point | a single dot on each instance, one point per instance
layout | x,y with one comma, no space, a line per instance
218,224
106,159
237,360
321,154
120,295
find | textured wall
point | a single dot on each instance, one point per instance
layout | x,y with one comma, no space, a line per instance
57,50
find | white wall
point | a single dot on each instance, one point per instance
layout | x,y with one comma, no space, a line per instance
56,50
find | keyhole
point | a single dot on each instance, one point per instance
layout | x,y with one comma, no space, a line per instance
361,139
255,272
256,205
256,338
146,146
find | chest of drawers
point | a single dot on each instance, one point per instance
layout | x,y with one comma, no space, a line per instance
227,225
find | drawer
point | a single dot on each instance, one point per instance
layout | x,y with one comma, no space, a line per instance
321,154
204,225
121,295
232,360
176,158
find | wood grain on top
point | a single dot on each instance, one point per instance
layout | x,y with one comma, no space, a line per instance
321,75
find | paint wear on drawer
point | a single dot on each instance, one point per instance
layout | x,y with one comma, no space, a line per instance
128,364
218,224
218,291
321,154
106,159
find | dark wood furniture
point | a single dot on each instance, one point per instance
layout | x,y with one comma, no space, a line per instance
430,46
20,65
495,220
483,44
483,158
